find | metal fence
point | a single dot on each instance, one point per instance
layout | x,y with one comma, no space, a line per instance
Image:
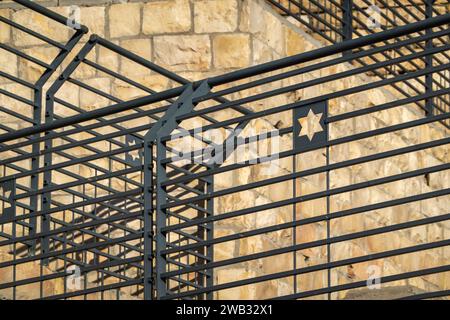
111,198
337,21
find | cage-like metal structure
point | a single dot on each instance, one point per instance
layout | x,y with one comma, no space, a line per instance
112,196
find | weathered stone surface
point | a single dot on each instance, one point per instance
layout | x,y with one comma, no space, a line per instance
296,42
183,52
231,51
8,63
141,47
124,19
15,105
108,58
30,71
266,26
5,30
262,37
162,17
90,100
39,24
262,53
215,16
94,19
233,274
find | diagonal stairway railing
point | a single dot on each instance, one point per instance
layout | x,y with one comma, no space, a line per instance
27,112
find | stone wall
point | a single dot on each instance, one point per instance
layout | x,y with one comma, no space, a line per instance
201,38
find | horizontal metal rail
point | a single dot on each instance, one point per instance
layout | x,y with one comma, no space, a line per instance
112,195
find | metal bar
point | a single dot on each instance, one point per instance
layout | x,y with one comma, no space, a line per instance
347,25
149,279
313,196
312,147
358,284
33,33
318,267
429,59
316,243
320,218
236,75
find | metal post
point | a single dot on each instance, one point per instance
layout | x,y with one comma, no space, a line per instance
429,60
34,179
165,126
49,118
46,196
210,235
148,220
161,217
347,26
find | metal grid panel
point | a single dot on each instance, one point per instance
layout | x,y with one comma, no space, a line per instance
329,145
137,221
337,21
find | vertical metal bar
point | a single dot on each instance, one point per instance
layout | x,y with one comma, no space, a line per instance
148,219
429,60
34,179
347,27
49,117
294,218
46,197
161,199
328,200
210,235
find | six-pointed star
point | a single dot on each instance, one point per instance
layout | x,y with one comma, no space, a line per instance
310,125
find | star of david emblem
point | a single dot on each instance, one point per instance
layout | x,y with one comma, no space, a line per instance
309,124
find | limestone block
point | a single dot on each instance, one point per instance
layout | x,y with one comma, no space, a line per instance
237,201
311,281
141,47
70,93
30,71
108,58
5,30
90,100
26,271
231,50
215,16
8,64
296,43
311,208
234,274
94,19
40,24
124,20
262,52
244,16
161,17
266,26
183,52
277,263
224,250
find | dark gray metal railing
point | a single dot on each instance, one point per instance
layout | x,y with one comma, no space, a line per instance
342,20
119,202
